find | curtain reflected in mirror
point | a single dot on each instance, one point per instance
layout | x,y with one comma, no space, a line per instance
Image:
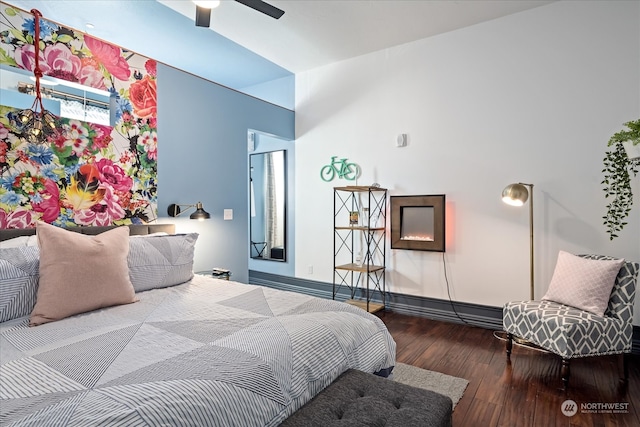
267,205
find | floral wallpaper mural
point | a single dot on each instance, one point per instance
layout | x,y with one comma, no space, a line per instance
89,174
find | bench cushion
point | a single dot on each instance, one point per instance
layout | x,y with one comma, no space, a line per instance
359,399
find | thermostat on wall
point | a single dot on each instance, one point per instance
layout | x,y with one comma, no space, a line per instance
401,140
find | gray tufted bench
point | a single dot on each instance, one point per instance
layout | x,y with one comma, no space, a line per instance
358,399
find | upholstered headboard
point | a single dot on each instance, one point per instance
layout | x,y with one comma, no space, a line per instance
134,230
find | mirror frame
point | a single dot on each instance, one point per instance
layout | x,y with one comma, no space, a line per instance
260,247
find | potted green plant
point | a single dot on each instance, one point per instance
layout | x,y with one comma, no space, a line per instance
620,165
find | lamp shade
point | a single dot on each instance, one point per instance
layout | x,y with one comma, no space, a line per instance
200,213
515,194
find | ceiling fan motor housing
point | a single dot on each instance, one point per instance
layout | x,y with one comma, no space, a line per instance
203,13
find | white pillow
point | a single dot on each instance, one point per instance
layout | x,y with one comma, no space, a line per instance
19,272
159,233
583,283
161,261
20,242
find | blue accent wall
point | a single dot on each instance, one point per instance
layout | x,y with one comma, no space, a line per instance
202,156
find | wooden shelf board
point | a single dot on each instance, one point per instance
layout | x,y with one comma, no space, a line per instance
357,227
362,268
373,306
359,188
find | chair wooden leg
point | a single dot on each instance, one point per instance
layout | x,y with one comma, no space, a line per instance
509,345
565,372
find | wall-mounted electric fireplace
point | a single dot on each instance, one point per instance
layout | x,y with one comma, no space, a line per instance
417,222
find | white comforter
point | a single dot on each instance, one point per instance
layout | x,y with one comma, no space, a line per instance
206,353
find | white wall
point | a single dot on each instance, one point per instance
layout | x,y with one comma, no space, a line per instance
532,97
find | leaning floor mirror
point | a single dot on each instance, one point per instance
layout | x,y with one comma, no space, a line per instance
268,195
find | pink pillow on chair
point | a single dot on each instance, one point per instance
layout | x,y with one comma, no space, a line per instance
583,283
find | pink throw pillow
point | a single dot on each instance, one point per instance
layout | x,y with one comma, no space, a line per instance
80,273
583,283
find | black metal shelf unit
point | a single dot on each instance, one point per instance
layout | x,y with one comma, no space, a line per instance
360,217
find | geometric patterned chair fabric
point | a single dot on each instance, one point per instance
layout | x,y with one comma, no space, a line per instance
571,332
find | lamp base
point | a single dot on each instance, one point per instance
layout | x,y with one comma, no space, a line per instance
173,210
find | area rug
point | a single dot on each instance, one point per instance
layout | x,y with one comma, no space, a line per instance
435,381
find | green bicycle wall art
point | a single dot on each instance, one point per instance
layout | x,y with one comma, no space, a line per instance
341,168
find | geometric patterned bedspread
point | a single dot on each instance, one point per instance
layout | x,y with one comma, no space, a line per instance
205,353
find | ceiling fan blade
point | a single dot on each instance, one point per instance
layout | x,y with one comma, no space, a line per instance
203,16
263,7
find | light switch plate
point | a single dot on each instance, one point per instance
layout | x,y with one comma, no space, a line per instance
228,214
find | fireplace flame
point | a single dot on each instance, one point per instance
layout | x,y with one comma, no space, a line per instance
422,238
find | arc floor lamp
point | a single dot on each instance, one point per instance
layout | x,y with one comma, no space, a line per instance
517,195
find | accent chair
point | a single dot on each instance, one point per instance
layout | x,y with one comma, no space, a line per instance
571,332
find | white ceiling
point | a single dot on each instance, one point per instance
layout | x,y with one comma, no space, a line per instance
245,47
318,32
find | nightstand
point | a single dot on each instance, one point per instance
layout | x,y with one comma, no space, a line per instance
218,273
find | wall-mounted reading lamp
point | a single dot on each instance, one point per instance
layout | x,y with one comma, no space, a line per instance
200,214
517,195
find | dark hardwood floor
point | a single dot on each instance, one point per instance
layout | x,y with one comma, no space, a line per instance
527,392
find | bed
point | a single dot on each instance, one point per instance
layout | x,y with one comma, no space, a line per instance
202,352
